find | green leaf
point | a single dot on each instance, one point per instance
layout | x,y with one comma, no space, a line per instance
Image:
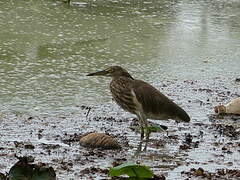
44,173
132,170
160,128
157,128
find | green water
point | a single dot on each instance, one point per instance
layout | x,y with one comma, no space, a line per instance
47,47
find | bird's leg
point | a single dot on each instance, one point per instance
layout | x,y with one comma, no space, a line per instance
139,149
141,126
147,133
145,126
142,132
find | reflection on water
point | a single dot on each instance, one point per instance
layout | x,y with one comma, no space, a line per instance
47,47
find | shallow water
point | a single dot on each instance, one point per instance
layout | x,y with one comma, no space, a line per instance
188,49
48,47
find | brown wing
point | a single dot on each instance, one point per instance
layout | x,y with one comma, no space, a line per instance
155,104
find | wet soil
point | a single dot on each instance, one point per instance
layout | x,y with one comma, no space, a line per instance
206,148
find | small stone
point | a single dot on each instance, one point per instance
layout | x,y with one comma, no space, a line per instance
199,172
237,79
29,146
188,138
224,148
159,177
3,176
184,147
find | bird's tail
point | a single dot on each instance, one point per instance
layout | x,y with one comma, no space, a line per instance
182,116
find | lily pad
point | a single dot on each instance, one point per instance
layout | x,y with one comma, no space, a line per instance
132,170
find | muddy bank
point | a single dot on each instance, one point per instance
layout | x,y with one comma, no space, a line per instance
207,147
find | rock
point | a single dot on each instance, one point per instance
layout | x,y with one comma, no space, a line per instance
29,146
199,172
237,80
3,176
184,147
233,107
99,140
188,138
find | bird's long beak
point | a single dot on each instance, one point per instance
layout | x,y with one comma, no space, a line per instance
99,73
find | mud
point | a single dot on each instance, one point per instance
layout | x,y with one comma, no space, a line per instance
220,174
207,147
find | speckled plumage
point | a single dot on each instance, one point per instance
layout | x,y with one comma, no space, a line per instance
140,98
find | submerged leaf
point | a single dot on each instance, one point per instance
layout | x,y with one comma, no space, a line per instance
132,170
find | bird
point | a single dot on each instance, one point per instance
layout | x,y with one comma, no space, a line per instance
140,98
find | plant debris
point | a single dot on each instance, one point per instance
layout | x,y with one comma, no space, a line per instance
219,174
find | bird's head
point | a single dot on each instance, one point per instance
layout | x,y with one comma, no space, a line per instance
112,71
